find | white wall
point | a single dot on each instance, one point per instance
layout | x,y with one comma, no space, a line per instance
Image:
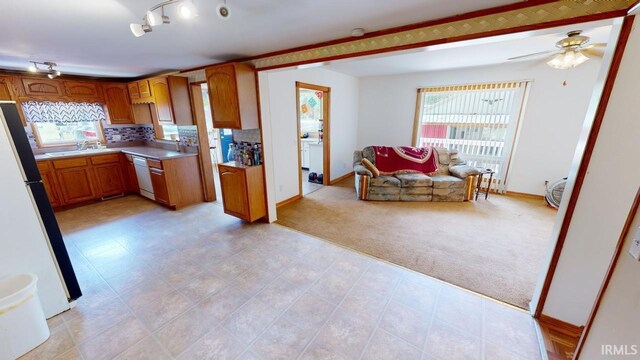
550,130
616,322
279,122
608,190
23,246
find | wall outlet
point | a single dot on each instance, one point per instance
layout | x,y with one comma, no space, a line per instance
116,137
280,187
634,251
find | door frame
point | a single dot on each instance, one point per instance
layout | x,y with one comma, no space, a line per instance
197,106
326,133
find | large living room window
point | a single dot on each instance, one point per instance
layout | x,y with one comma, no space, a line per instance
479,120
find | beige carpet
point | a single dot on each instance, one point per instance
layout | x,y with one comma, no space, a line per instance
494,247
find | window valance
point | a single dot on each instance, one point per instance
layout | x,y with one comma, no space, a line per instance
65,112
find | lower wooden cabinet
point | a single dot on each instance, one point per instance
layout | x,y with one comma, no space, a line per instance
177,182
243,191
110,179
50,183
76,184
159,182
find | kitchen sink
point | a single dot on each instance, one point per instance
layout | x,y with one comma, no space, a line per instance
78,152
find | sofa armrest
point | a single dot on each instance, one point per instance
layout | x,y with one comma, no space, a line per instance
462,171
361,170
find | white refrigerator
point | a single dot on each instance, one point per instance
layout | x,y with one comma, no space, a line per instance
30,239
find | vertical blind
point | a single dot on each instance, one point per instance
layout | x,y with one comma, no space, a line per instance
479,120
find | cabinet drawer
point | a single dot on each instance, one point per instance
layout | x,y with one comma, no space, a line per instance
105,159
152,163
69,163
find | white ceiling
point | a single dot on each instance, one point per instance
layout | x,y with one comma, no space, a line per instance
481,52
92,37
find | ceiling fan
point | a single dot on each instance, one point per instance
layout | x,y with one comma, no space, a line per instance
572,51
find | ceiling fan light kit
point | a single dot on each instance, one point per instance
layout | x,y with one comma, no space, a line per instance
186,10
567,59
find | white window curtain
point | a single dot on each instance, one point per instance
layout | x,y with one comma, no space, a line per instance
62,112
479,120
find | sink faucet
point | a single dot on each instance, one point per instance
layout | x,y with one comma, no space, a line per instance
81,145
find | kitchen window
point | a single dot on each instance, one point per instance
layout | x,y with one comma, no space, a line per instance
64,123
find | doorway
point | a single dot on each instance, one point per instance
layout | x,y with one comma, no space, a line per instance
312,109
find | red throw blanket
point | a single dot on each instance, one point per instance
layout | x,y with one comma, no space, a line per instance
404,159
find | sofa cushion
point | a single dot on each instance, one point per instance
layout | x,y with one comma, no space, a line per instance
447,182
414,180
374,170
384,181
462,171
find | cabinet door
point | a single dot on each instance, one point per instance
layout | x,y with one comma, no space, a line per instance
42,87
116,98
9,92
145,89
110,179
223,96
234,192
159,183
162,99
50,186
76,184
82,90
134,91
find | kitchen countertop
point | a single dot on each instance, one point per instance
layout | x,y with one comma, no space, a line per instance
238,165
144,151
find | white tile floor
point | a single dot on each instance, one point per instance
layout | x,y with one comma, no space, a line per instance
197,284
308,187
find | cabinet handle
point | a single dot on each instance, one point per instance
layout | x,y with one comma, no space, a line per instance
227,173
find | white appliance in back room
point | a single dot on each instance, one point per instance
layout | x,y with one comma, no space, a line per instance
30,240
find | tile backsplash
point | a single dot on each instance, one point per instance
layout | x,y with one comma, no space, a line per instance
128,133
188,135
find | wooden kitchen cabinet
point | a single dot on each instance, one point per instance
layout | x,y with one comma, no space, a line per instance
132,178
82,91
110,179
140,92
159,182
50,183
116,97
162,99
9,92
42,87
75,180
233,96
243,191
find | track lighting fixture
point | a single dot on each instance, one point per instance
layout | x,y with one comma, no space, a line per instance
186,10
49,70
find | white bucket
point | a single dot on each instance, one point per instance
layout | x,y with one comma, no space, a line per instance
22,323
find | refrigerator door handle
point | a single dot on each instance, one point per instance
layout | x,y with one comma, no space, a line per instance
29,183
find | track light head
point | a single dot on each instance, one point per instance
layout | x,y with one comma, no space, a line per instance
140,29
186,10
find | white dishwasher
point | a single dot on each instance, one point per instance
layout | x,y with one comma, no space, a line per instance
144,177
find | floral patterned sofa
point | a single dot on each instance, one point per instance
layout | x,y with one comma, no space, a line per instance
445,184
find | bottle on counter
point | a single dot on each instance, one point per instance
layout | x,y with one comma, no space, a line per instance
231,155
256,155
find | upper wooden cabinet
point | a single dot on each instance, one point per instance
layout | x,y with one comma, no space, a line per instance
82,90
140,92
9,92
162,99
116,98
233,96
41,87
172,99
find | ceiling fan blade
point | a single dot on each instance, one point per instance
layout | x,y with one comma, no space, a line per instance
595,52
596,45
533,55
